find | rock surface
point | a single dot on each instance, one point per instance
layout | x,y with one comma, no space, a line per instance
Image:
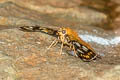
24,55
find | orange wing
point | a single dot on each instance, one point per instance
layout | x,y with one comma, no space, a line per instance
83,49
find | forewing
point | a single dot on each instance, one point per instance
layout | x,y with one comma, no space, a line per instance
84,52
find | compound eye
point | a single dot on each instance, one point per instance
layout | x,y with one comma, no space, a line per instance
63,31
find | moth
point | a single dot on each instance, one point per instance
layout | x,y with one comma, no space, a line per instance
68,37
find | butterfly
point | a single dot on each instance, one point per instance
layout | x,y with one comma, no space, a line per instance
68,37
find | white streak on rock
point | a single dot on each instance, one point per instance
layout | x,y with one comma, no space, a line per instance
99,40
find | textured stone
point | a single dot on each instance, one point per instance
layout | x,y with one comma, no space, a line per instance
24,55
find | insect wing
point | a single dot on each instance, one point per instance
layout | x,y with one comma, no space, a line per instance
84,52
47,30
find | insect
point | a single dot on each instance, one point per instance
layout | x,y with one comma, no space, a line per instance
68,37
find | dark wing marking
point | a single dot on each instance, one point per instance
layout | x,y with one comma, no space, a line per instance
83,52
39,29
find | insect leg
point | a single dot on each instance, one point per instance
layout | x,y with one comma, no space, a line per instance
73,48
53,43
61,48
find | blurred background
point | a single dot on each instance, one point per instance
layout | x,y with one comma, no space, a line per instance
23,55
